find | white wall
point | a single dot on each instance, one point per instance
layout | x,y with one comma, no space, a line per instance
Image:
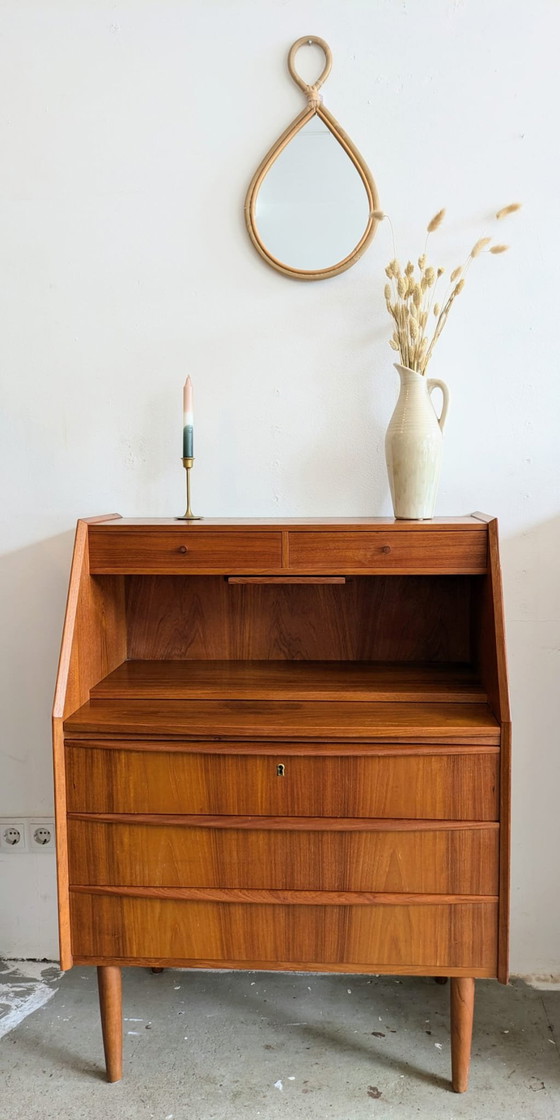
129,130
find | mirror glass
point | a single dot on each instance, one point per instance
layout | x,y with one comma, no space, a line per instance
312,207
311,203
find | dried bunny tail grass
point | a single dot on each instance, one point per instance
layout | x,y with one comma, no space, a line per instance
480,245
436,221
413,298
503,213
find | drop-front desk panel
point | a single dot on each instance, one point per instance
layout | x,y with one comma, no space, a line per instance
284,745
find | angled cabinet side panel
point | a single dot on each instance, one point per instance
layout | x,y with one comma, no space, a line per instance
503,713
492,663
505,857
93,644
490,632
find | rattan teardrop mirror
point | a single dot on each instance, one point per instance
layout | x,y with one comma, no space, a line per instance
310,206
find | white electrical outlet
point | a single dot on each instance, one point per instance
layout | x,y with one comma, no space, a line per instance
35,834
40,835
13,836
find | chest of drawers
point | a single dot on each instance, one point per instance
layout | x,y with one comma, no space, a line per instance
284,745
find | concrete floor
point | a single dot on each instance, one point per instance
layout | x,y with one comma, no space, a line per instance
222,1046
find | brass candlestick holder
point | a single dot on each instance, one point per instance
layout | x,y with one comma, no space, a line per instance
189,515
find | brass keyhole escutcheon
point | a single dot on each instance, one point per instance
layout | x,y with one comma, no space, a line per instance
280,770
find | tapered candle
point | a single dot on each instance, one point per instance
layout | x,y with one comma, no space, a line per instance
188,422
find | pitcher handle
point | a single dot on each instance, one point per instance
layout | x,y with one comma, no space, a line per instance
435,383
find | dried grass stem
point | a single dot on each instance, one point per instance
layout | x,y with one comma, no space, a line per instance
410,295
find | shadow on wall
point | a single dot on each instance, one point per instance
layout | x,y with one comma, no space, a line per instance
530,562
33,589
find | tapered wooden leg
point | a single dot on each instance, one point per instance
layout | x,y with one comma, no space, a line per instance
109,981
462,1011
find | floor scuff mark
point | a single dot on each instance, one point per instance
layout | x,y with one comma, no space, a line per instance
374,1092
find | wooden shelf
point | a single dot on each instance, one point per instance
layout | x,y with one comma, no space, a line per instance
245,719
292,680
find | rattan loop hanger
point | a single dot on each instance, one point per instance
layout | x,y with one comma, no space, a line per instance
311,92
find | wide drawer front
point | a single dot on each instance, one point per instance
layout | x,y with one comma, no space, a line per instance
378,937
306,857
182,551
428,551
438,785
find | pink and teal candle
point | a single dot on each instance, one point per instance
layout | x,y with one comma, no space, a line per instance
188,422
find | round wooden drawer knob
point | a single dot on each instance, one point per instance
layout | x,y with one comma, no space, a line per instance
386,548
183,548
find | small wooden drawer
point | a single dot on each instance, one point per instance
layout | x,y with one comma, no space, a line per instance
433,783
183,550
265,854
427,551
422,936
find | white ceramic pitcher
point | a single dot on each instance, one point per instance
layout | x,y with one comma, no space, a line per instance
413,445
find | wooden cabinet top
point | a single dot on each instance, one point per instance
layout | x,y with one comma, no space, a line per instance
293,524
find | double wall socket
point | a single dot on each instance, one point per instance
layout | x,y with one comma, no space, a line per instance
25,834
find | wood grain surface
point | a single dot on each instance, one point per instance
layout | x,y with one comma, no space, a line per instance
462,1012
408,785
243,719
410,552
489,629
299,524
172,552
386,618
444,860
287,746
109,980
289,680
93,643
158,964
425,935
